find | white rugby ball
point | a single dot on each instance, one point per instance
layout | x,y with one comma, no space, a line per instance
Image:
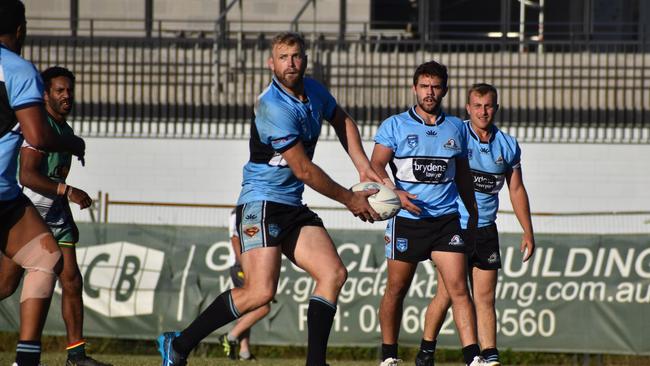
385,202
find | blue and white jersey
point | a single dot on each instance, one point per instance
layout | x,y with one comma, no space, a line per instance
424,159
20,87
490,162
281,121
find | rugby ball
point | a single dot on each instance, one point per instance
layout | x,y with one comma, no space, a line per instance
385,202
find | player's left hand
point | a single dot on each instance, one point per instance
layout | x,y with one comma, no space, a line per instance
527,246
79,197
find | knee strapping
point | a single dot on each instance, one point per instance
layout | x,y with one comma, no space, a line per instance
39,263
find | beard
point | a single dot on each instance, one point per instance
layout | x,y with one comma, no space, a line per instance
429,105
290,80
61,107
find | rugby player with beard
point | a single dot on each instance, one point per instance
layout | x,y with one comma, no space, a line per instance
427,154
271,218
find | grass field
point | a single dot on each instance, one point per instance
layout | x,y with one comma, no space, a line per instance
54,359
121,352
58,358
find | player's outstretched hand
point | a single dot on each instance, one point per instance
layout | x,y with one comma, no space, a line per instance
79,197
527,246
359,206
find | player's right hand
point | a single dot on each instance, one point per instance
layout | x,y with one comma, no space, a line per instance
79,197
359,206
405,198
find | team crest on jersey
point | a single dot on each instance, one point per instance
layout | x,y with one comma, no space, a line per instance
494,258
499,160
451,145
456,240
412,140
402,244
432,133
252,230
274,230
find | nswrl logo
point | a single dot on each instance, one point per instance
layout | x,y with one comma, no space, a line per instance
119,278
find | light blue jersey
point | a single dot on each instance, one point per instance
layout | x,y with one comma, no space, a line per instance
490,162
20,87
281,121
424,159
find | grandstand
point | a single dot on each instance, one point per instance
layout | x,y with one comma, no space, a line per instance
576,82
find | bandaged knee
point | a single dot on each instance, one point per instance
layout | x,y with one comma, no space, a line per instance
39,264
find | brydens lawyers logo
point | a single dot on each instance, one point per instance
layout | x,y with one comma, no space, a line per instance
120,278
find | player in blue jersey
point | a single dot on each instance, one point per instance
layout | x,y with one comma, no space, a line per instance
494,158
24,236
427,153
271,217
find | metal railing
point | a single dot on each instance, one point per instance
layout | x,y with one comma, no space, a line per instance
189,88
205,214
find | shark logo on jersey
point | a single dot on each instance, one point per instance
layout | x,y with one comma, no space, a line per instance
274,230
412,141
494,258
402,244
484,150
456,240
451,145
432,133
499,160
277,160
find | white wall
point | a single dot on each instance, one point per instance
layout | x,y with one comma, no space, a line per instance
559,177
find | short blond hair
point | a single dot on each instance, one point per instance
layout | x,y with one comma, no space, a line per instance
289,39
482,89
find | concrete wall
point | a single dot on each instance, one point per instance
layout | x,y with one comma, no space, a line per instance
559,178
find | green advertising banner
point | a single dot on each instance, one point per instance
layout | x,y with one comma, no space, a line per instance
579,293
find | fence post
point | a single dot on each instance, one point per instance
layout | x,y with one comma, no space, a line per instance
106,207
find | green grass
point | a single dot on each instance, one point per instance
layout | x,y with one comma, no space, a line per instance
130,352
52,359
